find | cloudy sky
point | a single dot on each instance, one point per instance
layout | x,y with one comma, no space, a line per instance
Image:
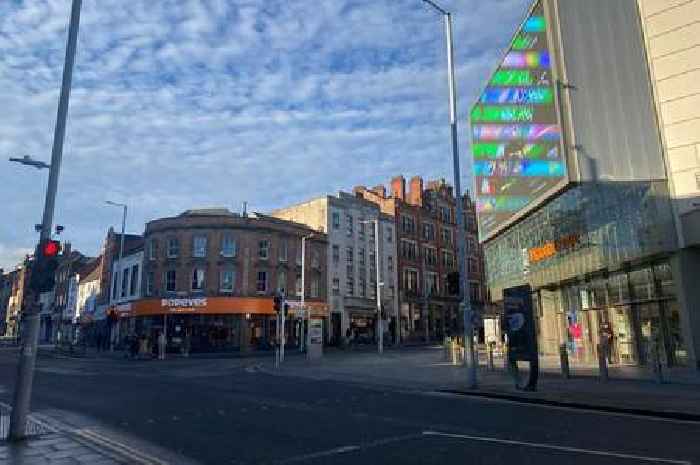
190,103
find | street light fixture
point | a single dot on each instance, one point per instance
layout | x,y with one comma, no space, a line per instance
29,161
303,296
380,329
465,303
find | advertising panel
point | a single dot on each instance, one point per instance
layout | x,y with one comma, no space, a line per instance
516,137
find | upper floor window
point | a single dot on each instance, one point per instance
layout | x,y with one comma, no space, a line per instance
361,229
446,214
446,236
170,281
408,224
199,246
410,280
336,286
431,257
348,219
134,279
198,279
282,282
173,247
349,254
447,259
431,284
298,286
336,254
336,220
125,280
428,231
149,283
228,246
283,250
152,249
409,250
263,249
314,288
361,255
389,234
115,285
261,282
390,263
226,280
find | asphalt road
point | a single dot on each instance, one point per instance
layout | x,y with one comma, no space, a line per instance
227,412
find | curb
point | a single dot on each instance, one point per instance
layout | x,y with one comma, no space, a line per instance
665,414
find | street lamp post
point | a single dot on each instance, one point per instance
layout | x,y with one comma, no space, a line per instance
121,256
465,303
380,329
27,357
304,337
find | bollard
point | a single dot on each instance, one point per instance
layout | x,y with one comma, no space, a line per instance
602,363
656,364
490,357
564,360
446,347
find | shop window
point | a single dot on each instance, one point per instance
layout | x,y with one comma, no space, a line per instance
261,283
263,249
171,281
226,281
199,246
173,247
228,246
198,279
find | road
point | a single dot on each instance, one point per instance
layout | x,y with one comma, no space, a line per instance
217,411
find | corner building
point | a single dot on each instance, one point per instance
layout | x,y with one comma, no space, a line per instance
572,180
210,276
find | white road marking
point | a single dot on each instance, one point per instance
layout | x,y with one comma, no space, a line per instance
555,447
346,449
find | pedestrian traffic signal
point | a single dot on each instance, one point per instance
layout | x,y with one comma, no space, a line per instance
453,283
43,269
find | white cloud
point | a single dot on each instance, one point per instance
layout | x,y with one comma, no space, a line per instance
178,104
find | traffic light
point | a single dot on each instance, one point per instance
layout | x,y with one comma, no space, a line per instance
286,309
45,265
276,303
453,283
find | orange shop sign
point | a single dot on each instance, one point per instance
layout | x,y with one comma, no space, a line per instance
552,248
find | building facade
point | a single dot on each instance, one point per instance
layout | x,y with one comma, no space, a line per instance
5,292
209,277
579,208
351,274
65,294
15,287
426,238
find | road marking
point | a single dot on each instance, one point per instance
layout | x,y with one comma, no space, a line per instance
346,449
555,447
116,446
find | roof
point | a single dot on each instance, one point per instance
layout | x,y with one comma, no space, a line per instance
91,270
213,211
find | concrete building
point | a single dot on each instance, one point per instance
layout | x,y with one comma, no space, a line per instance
672,38
351,275
209,277
585,153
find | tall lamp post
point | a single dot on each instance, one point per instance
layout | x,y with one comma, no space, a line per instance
380,329
121,255
465,303
27,357
304,339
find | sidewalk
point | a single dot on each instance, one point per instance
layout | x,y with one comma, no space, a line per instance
426,370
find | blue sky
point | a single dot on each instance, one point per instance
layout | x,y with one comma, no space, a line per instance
190,103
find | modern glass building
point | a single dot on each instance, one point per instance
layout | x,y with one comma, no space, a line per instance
572,190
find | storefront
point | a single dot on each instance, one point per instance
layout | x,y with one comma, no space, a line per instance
211,324
598,260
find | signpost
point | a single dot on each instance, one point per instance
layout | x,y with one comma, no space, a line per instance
519,323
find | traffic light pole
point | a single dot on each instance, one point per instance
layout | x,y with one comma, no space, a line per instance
27,356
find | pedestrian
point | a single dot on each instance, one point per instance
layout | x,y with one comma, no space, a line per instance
606,336
188,343
162,342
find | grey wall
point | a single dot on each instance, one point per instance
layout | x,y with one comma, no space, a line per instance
614,122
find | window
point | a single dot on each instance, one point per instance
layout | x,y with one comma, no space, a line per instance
361,256
228,246
284,249
314,288
431,284
199,246
390,263
350,285
389,234
336,220
447,259
408,250
263,249
170,281
226,280
115,285
197,279
336,286
152,249
410,280
372,260
474,292
134,279
173,247
431,256
261,283
429,231
149,283
371,232
363,286
282,282
348,219
315,259
408,224
697,180
446,214
349,254
125,281
298,286
336,254
361,229
446,236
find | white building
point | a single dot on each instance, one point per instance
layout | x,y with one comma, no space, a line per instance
349,223
88,291
126,279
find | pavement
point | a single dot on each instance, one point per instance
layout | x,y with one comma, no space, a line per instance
349,408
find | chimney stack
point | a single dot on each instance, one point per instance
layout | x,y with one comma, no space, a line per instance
415,193
398,187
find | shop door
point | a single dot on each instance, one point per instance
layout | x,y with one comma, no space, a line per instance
623,342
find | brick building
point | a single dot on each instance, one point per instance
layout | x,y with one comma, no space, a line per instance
426,229
210,275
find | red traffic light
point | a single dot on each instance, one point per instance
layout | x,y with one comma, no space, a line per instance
50,249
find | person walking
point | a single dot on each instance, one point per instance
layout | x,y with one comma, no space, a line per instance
162,342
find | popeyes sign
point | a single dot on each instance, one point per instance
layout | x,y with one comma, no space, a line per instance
550,249
183,305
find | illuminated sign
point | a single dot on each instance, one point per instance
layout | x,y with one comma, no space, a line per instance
550,249
516,137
